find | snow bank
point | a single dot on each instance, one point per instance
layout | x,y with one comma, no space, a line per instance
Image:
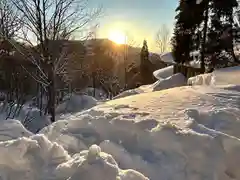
29,116
163,73
202,79
12,129
175,80
76,103
225,76
38,158
181,133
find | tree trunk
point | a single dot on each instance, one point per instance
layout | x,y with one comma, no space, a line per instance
204,39
51,92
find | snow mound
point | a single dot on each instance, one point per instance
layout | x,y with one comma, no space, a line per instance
225,76
12,129
163,73
202,79
30,117
181,133
38,158
175,80
76,103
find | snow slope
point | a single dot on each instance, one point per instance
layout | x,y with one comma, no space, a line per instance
182,133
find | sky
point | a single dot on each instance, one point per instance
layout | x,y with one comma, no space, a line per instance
139,19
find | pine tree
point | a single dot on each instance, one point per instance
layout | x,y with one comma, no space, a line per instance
144,59
206,25
187,31
220,44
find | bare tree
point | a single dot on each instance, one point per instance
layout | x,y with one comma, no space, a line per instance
9,27
47,24
163,38
9,20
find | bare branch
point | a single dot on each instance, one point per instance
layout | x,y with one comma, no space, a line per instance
163,39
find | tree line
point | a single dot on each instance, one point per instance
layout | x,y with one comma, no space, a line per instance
209,27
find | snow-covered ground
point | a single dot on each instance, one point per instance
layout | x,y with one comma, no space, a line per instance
180,133
165,80
177,132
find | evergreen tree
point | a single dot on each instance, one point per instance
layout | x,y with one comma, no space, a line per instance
187,31
144,59
206,25
220,40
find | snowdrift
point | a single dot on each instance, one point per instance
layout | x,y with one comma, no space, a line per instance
163,73
173,81
29,116
181,133
220,77
38,158
76,103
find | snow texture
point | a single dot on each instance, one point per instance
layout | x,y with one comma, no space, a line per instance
163,73
76,103
225,76
181,133
38,158
30,116
175,80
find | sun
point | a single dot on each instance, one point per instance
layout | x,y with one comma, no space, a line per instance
117,37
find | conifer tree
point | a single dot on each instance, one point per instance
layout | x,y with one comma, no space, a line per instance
144,59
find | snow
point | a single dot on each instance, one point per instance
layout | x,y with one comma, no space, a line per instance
220,77
163,73
167,58
28,115
179,133
75,103
172,81
12,129
38,158
175,80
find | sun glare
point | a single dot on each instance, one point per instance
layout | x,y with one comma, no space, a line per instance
117,37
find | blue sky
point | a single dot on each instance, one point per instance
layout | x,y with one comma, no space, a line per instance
139,18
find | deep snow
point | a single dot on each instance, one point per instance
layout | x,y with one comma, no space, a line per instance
181,133
220,77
